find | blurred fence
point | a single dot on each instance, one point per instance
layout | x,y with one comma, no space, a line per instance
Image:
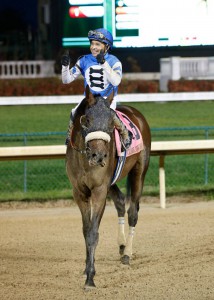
27,69
36,177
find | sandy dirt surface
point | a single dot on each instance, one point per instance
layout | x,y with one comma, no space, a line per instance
42,254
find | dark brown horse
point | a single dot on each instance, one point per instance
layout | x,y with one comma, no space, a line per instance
90,163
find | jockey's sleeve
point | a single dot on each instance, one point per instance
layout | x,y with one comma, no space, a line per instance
69,75
113,74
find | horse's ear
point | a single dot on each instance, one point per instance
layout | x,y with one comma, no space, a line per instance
110,97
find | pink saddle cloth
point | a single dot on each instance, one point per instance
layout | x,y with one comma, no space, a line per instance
137,141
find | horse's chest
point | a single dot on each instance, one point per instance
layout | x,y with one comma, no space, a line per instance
93,178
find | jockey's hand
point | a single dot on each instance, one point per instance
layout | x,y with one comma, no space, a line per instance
100,57
65,60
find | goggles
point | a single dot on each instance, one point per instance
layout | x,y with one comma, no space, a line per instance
97,35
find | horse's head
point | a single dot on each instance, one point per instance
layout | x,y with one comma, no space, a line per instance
97,124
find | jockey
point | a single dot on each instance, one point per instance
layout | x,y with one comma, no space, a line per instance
102,72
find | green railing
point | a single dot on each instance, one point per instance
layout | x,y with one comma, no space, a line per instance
203,132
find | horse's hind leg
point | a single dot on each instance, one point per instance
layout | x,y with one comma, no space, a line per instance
119,202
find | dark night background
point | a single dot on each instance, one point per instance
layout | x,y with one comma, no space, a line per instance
25,35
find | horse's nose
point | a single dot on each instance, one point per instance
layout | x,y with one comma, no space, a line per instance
98,158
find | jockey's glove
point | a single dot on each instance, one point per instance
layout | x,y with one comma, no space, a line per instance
65,60
100,58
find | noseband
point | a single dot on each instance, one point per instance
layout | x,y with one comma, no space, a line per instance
96,135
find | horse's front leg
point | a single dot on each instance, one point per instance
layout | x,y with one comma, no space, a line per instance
92,212
91,235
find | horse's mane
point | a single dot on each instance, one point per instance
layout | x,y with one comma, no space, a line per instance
88,103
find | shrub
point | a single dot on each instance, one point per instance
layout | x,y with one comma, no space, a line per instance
190,85
54,86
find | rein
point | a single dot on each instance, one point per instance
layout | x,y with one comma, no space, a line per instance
78,150
74,147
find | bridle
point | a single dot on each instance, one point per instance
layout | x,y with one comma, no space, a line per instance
89,137
74,147
79,150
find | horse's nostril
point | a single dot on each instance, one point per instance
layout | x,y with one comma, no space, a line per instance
94,155
105,155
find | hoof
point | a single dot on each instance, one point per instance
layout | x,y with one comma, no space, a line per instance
89,284
125,259
121,249
89,287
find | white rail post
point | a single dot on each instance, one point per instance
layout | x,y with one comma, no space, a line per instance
162,182
175,68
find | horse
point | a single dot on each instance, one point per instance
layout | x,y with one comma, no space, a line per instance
91,159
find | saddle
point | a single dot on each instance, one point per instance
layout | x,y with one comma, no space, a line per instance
137,141
135,147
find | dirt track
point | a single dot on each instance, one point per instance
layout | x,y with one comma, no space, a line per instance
42,254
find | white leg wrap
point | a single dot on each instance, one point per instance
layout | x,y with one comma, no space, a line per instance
128,249
121,232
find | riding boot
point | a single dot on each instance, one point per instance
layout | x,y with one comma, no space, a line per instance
125,134
70,127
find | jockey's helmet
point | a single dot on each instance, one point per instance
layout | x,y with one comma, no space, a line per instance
102,35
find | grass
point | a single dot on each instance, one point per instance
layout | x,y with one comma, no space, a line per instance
34,118
46,179
45,118
177,114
